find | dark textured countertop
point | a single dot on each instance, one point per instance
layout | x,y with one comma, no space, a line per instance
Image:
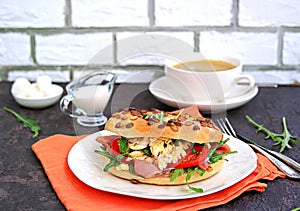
24,185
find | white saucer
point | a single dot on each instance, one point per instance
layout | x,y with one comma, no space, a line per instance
176,95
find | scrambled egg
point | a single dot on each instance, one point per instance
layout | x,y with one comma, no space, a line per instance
139,143
137,155
167,152
164,151
122,167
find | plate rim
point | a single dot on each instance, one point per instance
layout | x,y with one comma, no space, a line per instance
191,195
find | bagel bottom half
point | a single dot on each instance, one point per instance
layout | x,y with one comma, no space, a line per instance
165,180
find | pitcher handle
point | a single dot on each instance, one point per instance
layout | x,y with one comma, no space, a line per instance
64,105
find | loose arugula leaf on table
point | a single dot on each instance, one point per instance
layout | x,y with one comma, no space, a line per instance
283,139
27,122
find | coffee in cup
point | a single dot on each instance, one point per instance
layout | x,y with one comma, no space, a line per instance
209,77
205,65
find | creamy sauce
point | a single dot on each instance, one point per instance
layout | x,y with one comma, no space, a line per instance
92,99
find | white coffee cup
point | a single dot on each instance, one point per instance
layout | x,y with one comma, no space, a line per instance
209,77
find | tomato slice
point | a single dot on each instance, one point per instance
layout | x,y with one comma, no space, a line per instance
188,161
115,149
223,149
198,159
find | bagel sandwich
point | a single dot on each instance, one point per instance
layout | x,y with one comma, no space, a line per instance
162,148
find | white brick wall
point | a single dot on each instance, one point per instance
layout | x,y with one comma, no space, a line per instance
15,49
291,49
77,49
252,48
193,12
269,13
66,35
32,13
109,13
151,47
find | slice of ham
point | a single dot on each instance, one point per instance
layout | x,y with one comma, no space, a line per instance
192,111
107,141
146,169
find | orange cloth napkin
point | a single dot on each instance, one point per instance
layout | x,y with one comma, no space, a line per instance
75,195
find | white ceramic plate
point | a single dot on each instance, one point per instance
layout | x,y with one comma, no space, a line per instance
175,95
87,166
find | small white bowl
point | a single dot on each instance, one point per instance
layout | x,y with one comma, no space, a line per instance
40,102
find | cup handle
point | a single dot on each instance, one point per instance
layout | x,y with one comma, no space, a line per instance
249,86
64,105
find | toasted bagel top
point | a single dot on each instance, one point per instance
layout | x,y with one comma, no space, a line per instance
132,123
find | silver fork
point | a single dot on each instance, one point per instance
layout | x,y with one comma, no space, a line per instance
227,128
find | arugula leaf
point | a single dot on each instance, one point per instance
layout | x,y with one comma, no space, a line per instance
27,122
131,169
283,139
197,190
176,173
194,171
212,151
123,144
145,116
114,160
188,177
287,137
161,117
147,151
105,153
103,148
180,171
215,157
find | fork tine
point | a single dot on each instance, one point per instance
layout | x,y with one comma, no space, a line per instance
223,126
226,127
230,127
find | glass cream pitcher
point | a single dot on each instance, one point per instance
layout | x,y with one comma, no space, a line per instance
89,96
